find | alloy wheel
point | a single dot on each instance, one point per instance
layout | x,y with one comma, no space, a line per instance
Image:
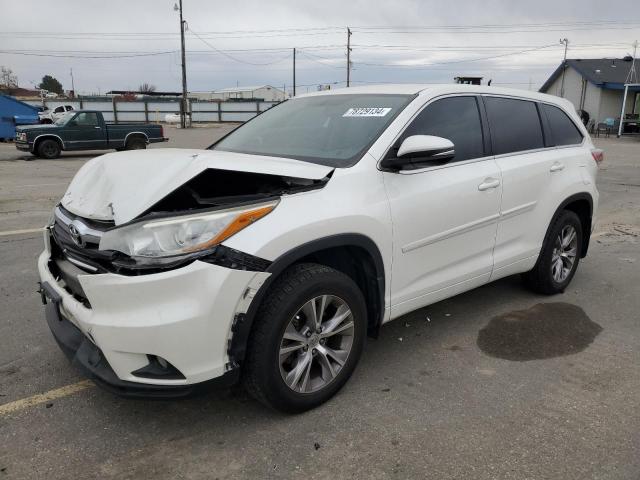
316,344
564,254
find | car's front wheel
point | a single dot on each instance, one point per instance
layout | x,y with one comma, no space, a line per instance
559,257
307,338
49,149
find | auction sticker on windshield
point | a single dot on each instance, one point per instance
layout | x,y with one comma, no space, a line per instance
367,112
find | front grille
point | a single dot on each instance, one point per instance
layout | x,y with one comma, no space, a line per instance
83,251
71,258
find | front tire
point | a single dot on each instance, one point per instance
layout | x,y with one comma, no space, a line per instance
307,338
49,149
560,255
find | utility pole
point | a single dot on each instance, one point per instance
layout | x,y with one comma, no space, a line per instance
564,41
294,72
348,56
73,87
183,103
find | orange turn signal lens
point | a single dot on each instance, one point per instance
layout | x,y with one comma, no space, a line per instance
242,221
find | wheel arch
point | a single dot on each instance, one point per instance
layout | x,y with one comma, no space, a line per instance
582,205
355,255
47,136
134,135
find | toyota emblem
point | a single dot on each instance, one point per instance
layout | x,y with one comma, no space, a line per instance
75,235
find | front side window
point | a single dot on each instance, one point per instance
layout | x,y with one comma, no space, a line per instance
58,110
515,125
86,119
333,130
563,130
454,118
64,119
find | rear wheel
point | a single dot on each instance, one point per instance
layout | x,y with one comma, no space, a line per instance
307,340
49,149
136,143
559,257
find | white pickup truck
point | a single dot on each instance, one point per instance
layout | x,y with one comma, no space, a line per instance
50,116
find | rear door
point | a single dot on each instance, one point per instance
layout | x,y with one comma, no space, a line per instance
532,177
85,132
444,216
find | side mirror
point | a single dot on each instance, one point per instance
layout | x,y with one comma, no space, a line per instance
418,150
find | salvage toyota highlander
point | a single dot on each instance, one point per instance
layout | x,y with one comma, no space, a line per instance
270,257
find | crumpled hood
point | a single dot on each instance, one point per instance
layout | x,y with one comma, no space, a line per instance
121,186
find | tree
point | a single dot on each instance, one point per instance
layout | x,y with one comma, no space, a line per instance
7,78
146,88
50,84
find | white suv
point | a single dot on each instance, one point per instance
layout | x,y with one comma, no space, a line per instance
270,256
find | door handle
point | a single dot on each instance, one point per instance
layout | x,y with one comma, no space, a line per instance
556,167
488,184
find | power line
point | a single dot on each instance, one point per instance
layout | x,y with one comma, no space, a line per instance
32,54
613,23
221,52
457,61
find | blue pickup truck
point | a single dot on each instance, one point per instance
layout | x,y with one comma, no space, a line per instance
85,130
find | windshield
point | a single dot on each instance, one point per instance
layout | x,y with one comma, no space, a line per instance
64,118
332,130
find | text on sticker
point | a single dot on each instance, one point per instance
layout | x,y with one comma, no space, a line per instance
367,112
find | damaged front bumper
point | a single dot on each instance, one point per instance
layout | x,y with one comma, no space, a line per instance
182,316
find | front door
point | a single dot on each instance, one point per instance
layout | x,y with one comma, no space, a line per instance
445,216
84,132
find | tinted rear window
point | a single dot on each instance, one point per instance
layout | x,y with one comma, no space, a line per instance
515,125
563,130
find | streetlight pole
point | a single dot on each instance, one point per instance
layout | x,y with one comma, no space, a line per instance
183,103
294,72
564,41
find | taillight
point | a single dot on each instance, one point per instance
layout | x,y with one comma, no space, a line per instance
598,155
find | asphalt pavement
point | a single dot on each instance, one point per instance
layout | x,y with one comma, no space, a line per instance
497,383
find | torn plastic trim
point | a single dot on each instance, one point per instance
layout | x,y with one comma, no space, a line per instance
220,255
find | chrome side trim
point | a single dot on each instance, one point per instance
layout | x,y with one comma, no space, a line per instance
48,135
520,209
137,133
483,222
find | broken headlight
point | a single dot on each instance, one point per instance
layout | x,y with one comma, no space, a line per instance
185,236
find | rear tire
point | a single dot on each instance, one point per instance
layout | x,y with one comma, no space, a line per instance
49,149
559,257
285,340
136,143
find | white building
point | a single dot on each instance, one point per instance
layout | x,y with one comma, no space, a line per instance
596,86
257,92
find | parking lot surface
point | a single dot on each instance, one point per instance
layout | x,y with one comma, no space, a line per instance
438,395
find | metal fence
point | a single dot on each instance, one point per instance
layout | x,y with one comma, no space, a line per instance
154,110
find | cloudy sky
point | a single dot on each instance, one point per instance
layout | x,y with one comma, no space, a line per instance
250,42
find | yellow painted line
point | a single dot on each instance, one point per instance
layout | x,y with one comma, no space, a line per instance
20,232
45,397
